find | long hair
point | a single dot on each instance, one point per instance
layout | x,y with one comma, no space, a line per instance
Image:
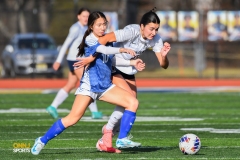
150,17
91,20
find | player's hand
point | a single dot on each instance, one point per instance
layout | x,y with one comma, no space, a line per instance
129,51
56,66
138,64
165,49
83,61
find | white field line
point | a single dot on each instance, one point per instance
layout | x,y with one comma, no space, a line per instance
205,147
135,124
212,130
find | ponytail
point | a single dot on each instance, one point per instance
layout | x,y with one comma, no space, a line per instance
154,9
150,17
83,44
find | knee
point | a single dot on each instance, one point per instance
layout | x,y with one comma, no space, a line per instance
134,104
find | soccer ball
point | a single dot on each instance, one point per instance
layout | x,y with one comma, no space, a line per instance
189,144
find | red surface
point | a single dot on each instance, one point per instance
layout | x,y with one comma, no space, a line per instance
58,83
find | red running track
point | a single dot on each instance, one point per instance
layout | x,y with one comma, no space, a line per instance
59,83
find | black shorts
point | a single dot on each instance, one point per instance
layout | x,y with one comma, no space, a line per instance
125,76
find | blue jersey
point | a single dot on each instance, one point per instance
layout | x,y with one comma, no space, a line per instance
97,75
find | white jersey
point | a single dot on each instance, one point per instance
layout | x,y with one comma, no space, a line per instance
130,37
73,40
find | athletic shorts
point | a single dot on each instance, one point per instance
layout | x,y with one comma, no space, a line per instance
93,95
70,65
125,76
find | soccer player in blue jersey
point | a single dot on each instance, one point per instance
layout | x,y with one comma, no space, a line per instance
138,38
72,42
95,84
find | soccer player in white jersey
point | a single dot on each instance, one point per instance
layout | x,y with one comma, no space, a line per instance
73,40
95,84
138,38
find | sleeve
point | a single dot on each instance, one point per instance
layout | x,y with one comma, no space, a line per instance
158,44
107,50
71,36
125,34
116,61
91,50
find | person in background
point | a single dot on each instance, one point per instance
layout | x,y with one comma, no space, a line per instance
73,40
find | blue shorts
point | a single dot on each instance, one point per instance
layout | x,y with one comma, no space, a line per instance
70,65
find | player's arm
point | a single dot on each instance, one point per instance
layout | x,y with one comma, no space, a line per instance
83,61
120,35
68,41
109,37
137,63
162,55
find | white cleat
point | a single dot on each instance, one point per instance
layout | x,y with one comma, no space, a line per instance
127,143
37,147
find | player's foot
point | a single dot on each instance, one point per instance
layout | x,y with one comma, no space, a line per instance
127,143
52,111
107,137
114,132
103,148
97,115
37,147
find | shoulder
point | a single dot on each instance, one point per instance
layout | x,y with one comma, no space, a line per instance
91,40
133,27
74,27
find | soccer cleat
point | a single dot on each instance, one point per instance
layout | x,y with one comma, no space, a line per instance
52,111
97,115
37,147
103,148
127,143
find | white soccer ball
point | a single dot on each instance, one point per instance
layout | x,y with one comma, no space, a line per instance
189,144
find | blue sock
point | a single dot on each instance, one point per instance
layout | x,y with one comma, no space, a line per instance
127,121
54,131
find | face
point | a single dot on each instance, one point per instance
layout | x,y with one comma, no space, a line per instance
99,27
83,18
149,31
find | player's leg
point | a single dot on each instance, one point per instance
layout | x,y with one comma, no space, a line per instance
127,142
79,106
93,106
115,117
62,94
128,83
120,97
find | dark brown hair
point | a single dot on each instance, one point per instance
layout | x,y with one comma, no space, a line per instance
150,17
91,19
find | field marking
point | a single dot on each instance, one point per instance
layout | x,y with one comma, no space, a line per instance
205,147
24,110
212,130
89,119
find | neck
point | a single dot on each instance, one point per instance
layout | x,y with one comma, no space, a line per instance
142,34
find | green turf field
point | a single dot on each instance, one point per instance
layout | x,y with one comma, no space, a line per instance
214,117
